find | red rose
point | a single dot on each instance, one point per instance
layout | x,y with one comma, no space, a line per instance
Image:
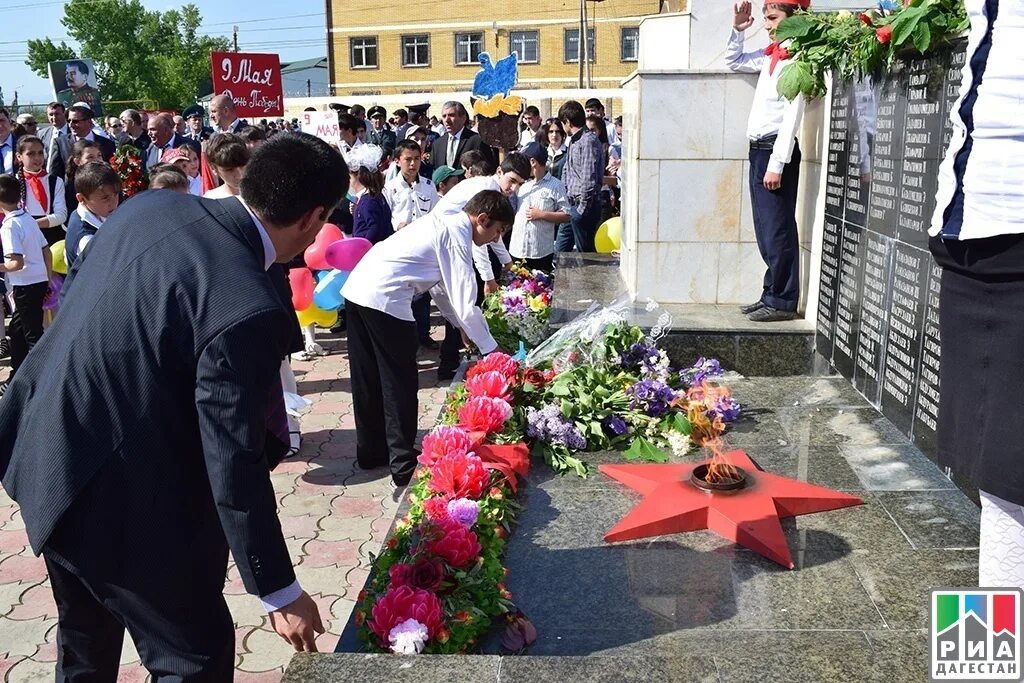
884,34
400,604
497,361
425,573
535,377
484,414
458,546
491,383
441,441
459,475
866,19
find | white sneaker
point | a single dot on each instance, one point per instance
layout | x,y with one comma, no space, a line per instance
315,349
303,356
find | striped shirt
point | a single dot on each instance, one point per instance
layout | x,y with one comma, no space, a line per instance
981,180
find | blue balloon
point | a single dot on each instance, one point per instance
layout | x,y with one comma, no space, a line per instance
327,294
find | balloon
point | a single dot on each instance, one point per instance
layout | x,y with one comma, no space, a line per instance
328,235
317,316
301,280
327,294
344,255
609,236
60,263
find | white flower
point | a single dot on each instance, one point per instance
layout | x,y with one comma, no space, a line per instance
408,637
679,443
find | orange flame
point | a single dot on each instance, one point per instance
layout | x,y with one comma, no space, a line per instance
698,402
719,469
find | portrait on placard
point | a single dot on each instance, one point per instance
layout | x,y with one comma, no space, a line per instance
74,80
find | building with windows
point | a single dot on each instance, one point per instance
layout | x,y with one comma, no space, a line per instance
432,47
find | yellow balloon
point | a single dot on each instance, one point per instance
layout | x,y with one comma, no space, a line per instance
60,263
609,236
317,316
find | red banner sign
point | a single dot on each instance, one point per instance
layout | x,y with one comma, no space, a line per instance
252,81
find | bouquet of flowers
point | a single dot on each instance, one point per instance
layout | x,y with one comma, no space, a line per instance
127,163
520,309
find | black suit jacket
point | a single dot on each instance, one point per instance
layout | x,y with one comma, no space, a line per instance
467,141
133,436
175,142
64,145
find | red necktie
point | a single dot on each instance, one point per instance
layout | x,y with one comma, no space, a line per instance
35,184
777,53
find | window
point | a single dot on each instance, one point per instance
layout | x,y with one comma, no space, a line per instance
526,45
468,47
416,50
572,45
363,52
629,44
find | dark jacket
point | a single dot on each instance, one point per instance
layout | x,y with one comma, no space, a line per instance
135,437
468,140
64,145
77,229
371,218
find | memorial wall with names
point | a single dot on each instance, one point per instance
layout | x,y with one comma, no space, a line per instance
877,316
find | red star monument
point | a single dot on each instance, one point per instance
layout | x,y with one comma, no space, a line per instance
749,516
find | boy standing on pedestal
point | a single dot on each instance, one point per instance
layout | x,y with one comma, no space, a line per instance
774,162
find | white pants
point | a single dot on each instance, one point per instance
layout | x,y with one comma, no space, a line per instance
1001,555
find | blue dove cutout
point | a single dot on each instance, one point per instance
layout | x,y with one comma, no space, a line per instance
495,79
521,353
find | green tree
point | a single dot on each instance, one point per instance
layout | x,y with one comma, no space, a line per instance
140,54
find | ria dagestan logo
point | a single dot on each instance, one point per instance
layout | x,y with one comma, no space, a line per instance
975,635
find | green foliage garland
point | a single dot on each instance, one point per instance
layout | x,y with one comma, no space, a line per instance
852,47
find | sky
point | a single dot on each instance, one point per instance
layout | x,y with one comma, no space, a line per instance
300,34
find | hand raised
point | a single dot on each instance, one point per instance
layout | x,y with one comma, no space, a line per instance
742,17
298,623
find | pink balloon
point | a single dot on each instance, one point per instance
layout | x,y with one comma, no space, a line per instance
301,280
345,254
316,252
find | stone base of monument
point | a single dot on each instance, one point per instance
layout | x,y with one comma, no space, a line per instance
694,606
714,330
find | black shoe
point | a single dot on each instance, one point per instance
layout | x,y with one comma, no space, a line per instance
444,374
429,343
767,314
750,308
339,328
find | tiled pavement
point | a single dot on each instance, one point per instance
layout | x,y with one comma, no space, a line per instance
333,516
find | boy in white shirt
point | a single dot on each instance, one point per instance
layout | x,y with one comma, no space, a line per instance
543,204
28,266
774,162
435,252
409,194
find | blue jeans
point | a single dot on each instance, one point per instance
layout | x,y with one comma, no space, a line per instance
584,225
564,240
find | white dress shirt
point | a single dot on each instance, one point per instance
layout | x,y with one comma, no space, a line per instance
993,198
455,200
771,113
453,147
434,253
409,201
20,235
195,185
58,200
7,155
528,136
92,219
536,238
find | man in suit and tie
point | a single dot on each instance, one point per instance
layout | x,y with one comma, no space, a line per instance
132,120
458,138
195,130
136,436
8,144
162,133
80,123
57,115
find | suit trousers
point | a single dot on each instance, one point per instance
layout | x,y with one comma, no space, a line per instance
776,231
382,359
27,322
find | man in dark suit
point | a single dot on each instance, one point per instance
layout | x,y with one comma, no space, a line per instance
80,123
195,130
161,132
132,120
57,115
136,435
449,148
8,144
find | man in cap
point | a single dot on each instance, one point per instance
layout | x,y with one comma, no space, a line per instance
418,115
195,130
380,134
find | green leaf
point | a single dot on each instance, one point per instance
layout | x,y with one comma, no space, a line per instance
642,449
922,37
796,26
904,24
681,424
796,78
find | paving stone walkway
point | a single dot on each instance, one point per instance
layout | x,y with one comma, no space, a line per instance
332,513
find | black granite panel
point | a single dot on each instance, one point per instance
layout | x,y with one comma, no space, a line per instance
922,150
829,286
886,150
851,274
874,317
904,333
836,165
926,414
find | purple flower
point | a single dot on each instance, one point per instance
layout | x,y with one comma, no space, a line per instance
614,425
548,425
703,369
464,511
652,396
727,408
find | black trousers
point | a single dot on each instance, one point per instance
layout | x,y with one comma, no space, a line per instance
54,234
27,322
775,229
448,359
382,358
545,264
